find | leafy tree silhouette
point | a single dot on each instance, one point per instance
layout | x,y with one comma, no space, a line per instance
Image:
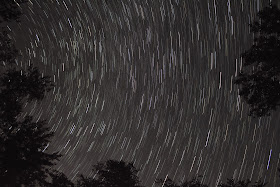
112,173
233,183
259,78
17,86
241,183
167,183
23,160
83,181
60,180
194,182
259,183
10,10
8,52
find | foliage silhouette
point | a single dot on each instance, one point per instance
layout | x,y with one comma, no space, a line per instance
83,181
17,86
167,183
259,183
233,183
23,160
60,180
112,173
259,78
8,52
194,182
10,10
241,183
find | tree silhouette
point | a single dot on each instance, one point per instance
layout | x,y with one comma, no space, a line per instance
23,159
112,173
10,10
233,183
167,183
83,181
8,52
259,78
23,142
194,182
60,180
241,183
17,86
259,183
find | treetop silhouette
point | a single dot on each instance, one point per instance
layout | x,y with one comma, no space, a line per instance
8,52
259,77
241,183
15,86
59,179
194,182
112,173
10,10
23,142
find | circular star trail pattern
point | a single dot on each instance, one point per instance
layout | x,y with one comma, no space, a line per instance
149,82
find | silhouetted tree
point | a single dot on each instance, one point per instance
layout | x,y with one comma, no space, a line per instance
59,179
23,142
259,78
17,86
22,156
166,183
194,182
112,174
8,52
83,181
233,183
241,183
259,183
10,10
23,159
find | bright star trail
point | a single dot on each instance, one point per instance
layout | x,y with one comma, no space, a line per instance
149,82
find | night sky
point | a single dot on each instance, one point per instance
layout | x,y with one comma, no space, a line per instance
149,82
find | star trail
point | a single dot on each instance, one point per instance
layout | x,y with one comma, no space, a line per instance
149,82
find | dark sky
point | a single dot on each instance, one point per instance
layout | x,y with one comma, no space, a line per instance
149,82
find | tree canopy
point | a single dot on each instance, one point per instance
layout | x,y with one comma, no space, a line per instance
23,142
194,182
112,173
241,183
59,179
10,10
259,77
